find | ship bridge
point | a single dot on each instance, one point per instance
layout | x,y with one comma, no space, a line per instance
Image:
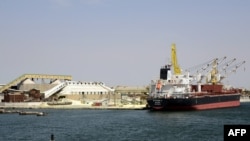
34,76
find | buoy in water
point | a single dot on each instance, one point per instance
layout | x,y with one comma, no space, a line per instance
52,137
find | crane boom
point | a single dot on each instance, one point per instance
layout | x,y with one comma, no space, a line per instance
236,66
174,61
227,64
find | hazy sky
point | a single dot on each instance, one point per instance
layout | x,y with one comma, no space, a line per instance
121,42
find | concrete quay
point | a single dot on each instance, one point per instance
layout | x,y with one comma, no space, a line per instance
245,99
44,105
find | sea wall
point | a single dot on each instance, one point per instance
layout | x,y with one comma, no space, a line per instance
245,99
20,104
41,105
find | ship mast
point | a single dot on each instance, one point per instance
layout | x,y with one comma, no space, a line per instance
174,62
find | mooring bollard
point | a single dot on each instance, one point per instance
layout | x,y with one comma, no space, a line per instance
52,137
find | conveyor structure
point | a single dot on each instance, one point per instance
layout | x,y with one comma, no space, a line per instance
34,76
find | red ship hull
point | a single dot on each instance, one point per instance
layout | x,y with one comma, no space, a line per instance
202,103
206,106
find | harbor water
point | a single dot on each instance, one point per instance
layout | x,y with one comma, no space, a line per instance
121,125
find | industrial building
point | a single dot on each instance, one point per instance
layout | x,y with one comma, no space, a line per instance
57,88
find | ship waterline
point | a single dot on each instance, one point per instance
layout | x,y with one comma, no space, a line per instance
201,103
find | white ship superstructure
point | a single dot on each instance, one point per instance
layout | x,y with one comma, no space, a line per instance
170,85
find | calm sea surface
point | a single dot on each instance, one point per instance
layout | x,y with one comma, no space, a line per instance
121,125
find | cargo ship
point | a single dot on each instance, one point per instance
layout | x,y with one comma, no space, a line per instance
185,91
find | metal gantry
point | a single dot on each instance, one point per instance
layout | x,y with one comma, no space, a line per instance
34,76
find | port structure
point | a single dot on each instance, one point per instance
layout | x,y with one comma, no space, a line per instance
35,76
55,89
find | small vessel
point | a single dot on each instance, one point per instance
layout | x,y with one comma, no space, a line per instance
59,103
41,114
178,92
32,113
27,113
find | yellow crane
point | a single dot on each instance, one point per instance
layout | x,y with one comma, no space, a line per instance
214,72
177,69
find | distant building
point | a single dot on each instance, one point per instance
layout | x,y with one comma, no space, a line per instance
54,88
131,94
87,92
35,95
14,97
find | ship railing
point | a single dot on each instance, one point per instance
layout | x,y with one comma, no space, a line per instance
181,95
202,94
158,95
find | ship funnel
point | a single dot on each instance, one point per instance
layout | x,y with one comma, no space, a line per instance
164,72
